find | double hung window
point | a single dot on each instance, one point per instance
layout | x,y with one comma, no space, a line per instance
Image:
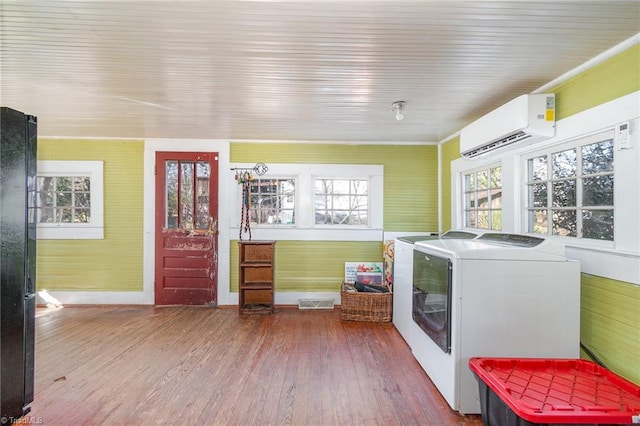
341,202
272,201
313,201
570,190
68,200
483,198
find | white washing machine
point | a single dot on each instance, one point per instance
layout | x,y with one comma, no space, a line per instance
403,277
499,295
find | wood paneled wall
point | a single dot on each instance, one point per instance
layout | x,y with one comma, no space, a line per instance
114,263
313,265
610,323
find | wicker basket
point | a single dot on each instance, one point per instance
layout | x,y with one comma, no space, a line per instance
360,306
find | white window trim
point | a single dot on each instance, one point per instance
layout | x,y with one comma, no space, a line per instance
295,183
463,206
463,166
549,151
305,227
76,231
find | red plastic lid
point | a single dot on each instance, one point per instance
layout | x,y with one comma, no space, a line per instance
566,391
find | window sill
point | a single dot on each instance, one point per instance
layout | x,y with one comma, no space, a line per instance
602,249
311,234
69,233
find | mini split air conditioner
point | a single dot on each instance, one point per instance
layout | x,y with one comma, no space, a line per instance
522,121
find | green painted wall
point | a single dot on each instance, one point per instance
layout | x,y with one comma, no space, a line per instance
114,263
312,265
410,204
450,151
610,323
410,174
616,77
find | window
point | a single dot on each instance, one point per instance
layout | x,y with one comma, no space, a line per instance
570,190
341,202
69,200
336,202
483,199
187,194
63,199
272,201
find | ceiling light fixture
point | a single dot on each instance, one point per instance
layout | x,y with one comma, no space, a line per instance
398,107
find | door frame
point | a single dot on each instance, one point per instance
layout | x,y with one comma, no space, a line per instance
225,186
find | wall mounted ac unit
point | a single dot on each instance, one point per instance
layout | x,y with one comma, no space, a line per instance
522,121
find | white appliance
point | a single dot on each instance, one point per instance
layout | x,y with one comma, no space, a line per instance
403,287
499,295
403,277
525,119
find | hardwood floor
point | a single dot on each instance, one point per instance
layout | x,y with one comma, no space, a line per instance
207,366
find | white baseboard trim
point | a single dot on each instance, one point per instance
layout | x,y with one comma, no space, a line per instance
95,298
137,298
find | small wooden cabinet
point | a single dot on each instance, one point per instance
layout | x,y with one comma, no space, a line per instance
255,286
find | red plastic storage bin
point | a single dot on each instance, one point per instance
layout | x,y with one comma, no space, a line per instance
538,391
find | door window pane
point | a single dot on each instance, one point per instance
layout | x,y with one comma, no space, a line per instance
186,183
171,194
203,176
187,195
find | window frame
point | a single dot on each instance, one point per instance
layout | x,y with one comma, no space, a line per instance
575,143
295,190
94,229
305,228
333,194
463,191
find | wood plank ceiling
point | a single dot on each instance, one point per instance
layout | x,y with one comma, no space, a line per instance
324,70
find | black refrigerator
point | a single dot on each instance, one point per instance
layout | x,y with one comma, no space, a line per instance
18,172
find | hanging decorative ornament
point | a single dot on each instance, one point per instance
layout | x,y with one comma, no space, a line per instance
245,222
260,169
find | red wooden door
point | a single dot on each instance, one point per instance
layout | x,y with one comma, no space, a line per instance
186,228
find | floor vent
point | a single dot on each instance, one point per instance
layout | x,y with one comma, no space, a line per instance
318,303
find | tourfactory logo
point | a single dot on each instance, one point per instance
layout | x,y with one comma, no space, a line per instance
25,420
